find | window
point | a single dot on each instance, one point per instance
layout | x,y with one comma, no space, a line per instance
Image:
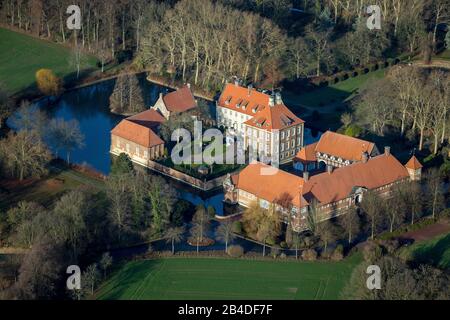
293,143
299,141
288,133
287,145
137,151
282,135
299,130
282,147
293,131
118,143
264,204
128,147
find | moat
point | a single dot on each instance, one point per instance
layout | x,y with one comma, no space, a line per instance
90,107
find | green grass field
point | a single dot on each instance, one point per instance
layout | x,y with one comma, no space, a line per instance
214,279
435,252
334,93
21,56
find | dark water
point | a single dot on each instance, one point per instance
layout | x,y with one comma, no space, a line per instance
90,107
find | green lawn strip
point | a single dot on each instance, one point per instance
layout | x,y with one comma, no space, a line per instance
445,55
435,252
22,55
210,278
332,94
46,191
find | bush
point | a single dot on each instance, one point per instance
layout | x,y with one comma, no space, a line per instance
237,227
124,55
372,252
374,67
336,80
283,244
235,251
355,74
353,131
309,241
48,83
338,253
390,245
344,77
309,255
274,252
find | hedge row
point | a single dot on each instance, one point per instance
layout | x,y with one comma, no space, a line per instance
345,75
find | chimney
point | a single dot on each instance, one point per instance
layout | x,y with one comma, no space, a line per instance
250,87
278,98
306,176
387,151
236,82
329,169
365,157
271,101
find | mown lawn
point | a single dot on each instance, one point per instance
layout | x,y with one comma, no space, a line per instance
213,279
435,252
334,93
22,55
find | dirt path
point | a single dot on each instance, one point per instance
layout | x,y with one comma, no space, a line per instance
429,232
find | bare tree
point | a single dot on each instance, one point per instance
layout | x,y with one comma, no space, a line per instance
371,206
174,235
350,222
65,135
225,233
25,154
435,191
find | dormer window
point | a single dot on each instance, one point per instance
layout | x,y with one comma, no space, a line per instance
228,100
238,104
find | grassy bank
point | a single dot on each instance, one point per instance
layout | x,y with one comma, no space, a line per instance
22,55
435,252
332,94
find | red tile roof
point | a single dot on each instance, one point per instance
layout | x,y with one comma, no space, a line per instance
327,188
269,187
414,164
308,153
342,146
180,100
134,132
379,171
256,104
149,118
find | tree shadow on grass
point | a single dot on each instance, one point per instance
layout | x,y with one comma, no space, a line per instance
127,280
433,253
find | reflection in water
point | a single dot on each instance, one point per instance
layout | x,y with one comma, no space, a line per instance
90,107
